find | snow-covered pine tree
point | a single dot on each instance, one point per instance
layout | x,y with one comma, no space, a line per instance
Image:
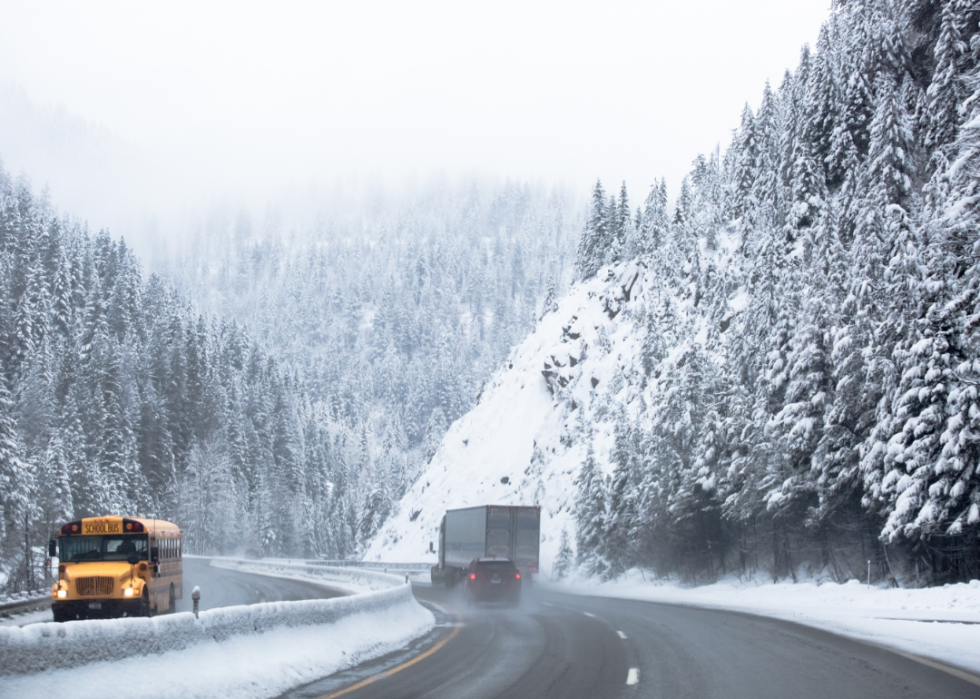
563,559
655,221
590,515
595,237
16,481
946,91
622,511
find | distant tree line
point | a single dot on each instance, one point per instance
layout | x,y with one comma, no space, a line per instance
289,431
811,360
117,397
394,314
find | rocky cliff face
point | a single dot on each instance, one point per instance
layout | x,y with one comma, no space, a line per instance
579,372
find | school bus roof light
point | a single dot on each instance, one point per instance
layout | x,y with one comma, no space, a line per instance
71,528
132,526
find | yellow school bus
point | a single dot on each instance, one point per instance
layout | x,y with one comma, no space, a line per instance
116,566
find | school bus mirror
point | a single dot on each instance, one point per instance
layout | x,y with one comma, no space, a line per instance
154,554
52,548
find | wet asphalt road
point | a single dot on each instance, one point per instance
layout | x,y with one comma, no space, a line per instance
226,588
574,647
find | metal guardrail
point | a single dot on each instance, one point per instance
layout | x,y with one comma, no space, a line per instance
25,602
372,565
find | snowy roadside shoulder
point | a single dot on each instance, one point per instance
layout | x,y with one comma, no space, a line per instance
27,618
353,579
940,623
258,650
26,608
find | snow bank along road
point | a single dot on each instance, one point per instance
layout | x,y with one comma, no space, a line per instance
244,651
570,646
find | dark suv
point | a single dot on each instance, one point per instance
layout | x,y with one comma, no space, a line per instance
493,580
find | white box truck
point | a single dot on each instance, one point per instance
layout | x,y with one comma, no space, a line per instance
488,531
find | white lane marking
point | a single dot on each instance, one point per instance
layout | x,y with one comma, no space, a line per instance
633,677
587,614
621,635
548,604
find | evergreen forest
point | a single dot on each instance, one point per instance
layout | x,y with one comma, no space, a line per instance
811,364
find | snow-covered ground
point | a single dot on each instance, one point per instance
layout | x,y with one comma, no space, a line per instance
27,618
259,650
941,623
258,665
356,580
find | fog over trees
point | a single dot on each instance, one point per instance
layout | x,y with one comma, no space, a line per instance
284,410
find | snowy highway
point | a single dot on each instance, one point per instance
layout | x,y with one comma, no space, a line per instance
567,646
552,645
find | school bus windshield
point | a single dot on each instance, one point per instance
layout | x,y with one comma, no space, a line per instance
78,549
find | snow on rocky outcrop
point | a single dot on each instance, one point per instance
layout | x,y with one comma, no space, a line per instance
523,442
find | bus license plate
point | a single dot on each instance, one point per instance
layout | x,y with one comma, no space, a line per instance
95,605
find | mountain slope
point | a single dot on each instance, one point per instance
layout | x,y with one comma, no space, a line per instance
529,426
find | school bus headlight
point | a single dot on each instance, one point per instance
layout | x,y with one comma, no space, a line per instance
128,592
62,594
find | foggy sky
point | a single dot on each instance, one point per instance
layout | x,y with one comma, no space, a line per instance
125,106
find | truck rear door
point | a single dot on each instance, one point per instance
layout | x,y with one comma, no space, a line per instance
527,534
498,532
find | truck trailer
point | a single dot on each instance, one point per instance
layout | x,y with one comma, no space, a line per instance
488,531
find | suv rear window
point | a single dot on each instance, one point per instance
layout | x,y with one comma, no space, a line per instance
496,566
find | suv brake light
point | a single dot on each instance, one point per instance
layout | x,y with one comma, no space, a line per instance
472,576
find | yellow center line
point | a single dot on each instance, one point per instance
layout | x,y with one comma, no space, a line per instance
392,671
